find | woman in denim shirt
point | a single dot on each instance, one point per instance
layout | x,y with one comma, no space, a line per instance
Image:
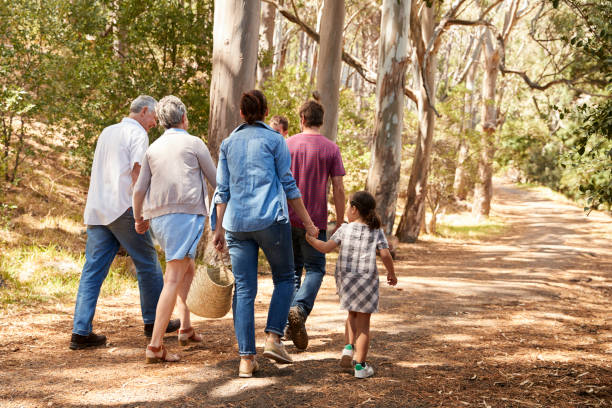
254,187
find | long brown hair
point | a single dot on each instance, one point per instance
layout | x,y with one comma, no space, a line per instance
365,204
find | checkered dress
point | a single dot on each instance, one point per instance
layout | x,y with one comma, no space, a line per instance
356,273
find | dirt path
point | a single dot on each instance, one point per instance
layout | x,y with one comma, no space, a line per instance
521,320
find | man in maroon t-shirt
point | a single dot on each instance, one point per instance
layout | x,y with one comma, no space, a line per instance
314,160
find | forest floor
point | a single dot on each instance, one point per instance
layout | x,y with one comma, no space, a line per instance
518,319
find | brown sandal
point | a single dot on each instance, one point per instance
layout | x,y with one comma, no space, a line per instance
187,335
165,357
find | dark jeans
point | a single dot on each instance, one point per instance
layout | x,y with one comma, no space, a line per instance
305,256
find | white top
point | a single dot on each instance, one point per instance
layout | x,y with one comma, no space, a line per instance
119,147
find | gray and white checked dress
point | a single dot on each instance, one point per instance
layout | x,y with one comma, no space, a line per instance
356,272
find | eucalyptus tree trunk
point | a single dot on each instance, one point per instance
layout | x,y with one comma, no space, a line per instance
483,191
278,40
460,185
330,64
314,62
414,212
235,41
266,42
384,174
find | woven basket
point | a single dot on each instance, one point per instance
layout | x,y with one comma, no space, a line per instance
210,294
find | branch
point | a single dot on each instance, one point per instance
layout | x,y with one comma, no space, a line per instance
349,59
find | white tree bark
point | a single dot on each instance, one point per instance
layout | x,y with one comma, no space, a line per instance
235,43
330,64
393,59
483,191
414,212
266,42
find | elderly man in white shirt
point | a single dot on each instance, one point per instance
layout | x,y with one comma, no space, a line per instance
110,223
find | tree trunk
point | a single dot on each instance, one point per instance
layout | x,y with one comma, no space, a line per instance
266,42
384,174
278,40
328,70
483,191
315,49
412,218
235,40
460,187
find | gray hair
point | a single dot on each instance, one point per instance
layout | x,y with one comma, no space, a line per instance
141,102
170,111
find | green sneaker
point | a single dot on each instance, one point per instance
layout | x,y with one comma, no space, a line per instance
346,360
363,371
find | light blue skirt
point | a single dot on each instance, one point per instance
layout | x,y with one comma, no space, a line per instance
178,234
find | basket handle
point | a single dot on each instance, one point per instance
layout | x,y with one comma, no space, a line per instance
225,267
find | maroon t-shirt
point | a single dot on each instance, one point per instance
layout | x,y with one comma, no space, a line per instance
314,159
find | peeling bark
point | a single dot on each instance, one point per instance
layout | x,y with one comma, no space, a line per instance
422,27
384,174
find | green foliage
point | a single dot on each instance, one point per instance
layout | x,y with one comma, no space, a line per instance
82,62
285,92
287,89
591,155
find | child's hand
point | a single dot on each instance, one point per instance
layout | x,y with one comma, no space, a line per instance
391,279
310,239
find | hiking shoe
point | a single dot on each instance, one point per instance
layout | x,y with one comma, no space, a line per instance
78,342
363,371
346,360
276,351
173,325
247,368
298,328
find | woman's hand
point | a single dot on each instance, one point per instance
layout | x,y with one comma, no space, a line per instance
391,278
219,239
141,225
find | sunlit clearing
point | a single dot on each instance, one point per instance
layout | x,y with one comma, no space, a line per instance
238,386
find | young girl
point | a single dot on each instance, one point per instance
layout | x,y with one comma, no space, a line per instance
357,277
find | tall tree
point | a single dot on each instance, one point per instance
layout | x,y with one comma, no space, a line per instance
384,174
468,123
493,54
422,27
235,43
330,64
266,42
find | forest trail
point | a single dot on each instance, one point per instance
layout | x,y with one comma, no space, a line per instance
522,319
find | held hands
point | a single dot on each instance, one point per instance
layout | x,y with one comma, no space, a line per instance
141,226
391,278
312,230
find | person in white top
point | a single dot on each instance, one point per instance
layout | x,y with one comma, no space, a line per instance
110,223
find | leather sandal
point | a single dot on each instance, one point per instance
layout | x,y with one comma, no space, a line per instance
188,335
151,358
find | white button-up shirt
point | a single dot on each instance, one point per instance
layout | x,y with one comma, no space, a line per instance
119,147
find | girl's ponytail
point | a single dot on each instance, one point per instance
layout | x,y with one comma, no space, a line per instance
373,220
366,205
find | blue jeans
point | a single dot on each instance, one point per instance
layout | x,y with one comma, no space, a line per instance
275,241
305,256
102,245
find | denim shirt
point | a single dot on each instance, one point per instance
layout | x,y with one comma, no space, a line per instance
254,178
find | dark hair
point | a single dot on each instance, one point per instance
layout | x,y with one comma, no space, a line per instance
280,121
312,113
365,203
253,106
